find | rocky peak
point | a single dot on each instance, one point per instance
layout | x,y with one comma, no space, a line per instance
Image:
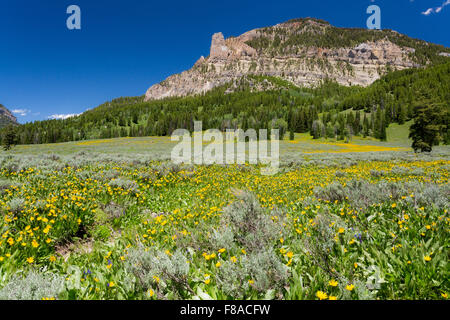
232,48
200,61
6,117
301,51
219,48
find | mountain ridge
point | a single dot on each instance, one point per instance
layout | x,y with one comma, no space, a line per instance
6,117
304,52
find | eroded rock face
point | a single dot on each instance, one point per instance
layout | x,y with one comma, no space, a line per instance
200,61
230,49
233,58
6,117
219,48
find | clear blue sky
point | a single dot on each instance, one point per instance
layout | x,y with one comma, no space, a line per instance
125,46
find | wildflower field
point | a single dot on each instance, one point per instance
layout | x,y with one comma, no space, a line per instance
360,225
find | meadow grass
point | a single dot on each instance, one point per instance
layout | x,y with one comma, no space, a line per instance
111,219
160,147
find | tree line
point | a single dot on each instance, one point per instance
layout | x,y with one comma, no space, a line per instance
328,110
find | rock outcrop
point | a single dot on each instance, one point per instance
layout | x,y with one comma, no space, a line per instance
219,48
230,49
6,117
259,52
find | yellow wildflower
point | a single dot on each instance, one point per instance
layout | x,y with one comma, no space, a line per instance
321,295
349,287
333,283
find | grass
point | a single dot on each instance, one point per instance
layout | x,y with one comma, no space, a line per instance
160,147
364,220
397,133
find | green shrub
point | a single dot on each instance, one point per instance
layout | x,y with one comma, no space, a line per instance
125,184
261,270
101,233
35,286
16,205
251,227
160,270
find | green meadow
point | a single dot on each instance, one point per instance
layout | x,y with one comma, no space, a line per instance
114,219
160,147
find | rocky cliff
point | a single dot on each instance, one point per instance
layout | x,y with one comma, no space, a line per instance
302,51
6,117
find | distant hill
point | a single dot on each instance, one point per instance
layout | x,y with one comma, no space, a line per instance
6,117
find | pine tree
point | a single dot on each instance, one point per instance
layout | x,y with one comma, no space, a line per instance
317,129
365,126
429,128
383,134
357,123
402,114
135,118
291,135
9,138
378,123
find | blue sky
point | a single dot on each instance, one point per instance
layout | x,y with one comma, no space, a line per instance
124,47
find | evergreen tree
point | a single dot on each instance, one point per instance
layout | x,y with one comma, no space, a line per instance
403,112
383,134
430,126
329,131
357,123
291,135
317,129
366,126
9,137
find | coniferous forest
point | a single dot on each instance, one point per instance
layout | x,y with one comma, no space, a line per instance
328,110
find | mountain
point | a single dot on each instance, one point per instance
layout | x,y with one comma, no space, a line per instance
6,117
303,52
300,76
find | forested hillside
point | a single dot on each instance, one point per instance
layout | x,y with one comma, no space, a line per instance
399,91
316,33
323,111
